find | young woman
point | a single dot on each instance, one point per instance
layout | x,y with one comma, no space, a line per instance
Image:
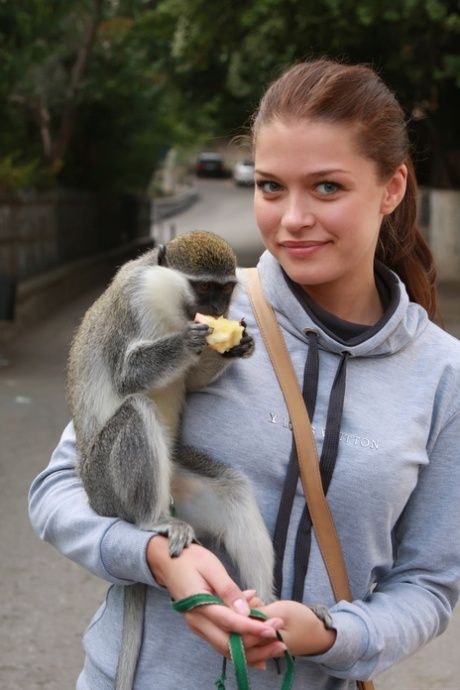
353,287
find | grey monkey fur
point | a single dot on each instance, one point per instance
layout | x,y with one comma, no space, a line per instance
134,357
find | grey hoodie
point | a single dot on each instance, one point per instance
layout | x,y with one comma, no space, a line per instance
394,494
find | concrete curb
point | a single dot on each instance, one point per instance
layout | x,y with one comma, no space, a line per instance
170,206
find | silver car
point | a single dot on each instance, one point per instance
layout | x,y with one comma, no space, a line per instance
243,172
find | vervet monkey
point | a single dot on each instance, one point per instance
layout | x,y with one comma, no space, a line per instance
134,357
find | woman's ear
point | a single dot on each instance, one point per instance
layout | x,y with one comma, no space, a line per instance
394,190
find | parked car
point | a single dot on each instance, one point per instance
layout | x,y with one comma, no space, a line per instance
210,164
243,172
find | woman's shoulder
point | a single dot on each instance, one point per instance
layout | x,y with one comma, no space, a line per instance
443,343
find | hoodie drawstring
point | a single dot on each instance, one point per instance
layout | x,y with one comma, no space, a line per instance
309,390
327,465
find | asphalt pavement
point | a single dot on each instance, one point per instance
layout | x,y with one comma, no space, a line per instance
46,601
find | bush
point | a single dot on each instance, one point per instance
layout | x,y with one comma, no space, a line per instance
16,175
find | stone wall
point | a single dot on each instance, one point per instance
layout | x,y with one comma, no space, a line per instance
440,220
39,231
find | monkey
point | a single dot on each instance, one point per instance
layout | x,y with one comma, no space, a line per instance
135,355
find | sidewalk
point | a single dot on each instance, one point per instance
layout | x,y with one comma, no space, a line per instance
46,601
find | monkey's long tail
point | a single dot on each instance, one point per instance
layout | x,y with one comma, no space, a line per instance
131,641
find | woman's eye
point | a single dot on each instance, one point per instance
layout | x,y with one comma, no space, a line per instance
327,188
268,186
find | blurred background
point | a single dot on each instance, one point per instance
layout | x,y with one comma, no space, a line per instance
122,123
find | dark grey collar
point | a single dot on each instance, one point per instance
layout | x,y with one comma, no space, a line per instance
347,332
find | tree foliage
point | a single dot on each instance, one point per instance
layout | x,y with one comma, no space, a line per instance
413,44
82,98
94,91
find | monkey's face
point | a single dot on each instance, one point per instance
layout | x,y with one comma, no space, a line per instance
212,298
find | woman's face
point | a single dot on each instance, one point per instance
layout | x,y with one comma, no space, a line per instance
319,205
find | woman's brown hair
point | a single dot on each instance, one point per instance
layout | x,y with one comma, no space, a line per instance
329,91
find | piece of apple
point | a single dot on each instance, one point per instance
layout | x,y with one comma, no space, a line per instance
226,332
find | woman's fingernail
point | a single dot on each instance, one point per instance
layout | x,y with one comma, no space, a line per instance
268,633
241,606
275,623
261,665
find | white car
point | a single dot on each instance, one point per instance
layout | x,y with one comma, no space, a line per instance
243,172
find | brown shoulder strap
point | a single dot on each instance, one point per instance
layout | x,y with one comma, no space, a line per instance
321,516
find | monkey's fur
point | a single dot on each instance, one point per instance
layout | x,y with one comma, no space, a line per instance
134,357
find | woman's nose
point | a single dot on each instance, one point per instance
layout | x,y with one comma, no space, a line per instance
297,214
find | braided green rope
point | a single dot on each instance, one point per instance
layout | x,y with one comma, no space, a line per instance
235,644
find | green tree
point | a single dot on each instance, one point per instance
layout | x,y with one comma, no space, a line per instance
82,98
46,53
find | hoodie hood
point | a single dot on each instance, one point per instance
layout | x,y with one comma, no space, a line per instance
403,322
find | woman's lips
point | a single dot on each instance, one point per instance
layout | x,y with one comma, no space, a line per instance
301,249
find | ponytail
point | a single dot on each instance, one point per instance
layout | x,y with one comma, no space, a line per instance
403,248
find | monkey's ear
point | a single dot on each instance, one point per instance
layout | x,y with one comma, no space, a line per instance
162,255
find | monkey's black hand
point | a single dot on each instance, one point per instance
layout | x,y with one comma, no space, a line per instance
245,347
195,336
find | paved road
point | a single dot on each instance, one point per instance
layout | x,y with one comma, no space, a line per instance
46,601
224,209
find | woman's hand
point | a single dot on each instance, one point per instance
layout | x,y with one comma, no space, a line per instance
197,570
302,631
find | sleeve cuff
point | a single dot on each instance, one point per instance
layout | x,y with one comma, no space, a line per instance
351,642
123,553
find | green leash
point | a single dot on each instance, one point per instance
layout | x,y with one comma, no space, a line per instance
236,645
